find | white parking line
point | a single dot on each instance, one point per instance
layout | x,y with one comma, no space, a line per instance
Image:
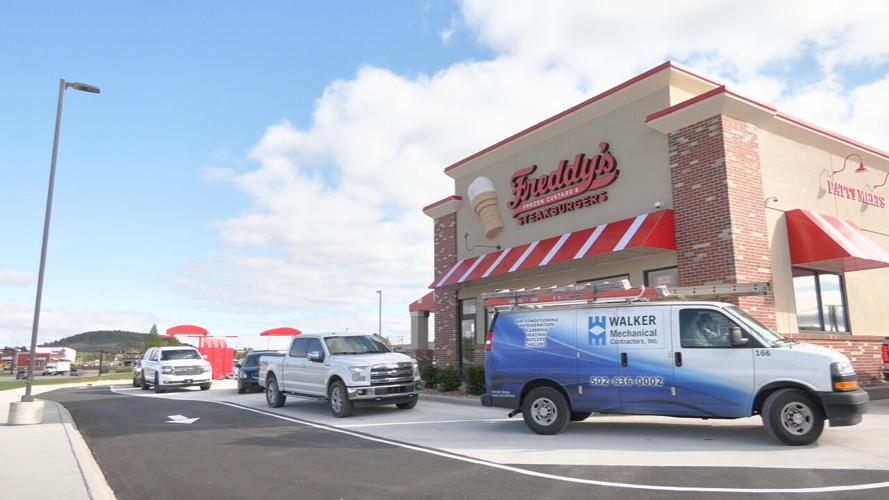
544,475
353,426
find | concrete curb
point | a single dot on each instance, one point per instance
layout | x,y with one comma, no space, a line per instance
92,475
440,398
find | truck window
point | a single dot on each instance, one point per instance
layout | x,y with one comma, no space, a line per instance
314,345
707,328
298,348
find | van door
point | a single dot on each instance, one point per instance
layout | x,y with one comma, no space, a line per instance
642,336
713,377
597,363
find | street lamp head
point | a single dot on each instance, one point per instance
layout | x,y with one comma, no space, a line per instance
83,87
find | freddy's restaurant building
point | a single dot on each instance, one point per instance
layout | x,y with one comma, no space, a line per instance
669,179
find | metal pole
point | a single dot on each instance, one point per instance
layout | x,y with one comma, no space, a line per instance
52,178
380,314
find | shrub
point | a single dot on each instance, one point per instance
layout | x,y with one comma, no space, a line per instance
429,375
449,379
475,379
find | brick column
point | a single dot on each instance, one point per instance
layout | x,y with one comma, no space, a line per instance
447,320
718,201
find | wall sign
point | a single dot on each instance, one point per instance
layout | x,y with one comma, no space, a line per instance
550,194
866,197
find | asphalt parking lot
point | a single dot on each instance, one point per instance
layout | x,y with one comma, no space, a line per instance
484,453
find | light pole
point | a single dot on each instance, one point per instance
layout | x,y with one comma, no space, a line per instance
63,85
380,314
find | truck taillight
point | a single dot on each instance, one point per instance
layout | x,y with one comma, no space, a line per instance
885,350
489,341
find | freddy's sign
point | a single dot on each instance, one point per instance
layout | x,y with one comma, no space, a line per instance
570,186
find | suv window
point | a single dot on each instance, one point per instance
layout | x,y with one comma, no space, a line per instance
298,348
153,355
707,328
180,354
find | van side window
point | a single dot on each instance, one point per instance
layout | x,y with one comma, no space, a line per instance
706,328
298,348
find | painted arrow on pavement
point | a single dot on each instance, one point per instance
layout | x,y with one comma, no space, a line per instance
181,419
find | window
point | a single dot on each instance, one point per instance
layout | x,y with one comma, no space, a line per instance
667,276
608,281
820,301
153,355
707,328
355,344
468,337
298,348
315,345
180,354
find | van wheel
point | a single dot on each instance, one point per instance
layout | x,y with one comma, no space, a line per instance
545,411
273,396
340,405
580,416
406,406
792,417
144,382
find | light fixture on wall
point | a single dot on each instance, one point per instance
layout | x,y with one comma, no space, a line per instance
861,168
468,248
771,199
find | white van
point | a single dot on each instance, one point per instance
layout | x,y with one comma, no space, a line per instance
677,358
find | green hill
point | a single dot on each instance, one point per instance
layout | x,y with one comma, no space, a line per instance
111,341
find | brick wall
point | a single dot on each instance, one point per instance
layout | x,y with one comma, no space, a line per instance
447,320
862,350
718,202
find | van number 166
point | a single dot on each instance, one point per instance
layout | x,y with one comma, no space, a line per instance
763,352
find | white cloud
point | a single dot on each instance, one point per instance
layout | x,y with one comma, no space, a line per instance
16,321
448,32
335,207
13,277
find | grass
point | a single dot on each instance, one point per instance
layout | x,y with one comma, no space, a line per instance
16,384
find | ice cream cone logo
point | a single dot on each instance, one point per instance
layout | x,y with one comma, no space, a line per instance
483,197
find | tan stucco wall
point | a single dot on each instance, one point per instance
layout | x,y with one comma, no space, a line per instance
797,174
642,159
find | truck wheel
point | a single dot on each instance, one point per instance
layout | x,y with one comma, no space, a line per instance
144,382
157,385
205,387
340,405
406,406
272,395
792,417
545,411
580,416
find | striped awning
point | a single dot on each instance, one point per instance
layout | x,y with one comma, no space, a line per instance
826,243
654,230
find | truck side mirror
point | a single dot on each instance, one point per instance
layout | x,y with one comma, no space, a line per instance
315,356
738,338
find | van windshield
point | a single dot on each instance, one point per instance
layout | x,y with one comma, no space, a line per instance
355,344
764,332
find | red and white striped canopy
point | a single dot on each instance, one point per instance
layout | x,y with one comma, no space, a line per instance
826,243
654,230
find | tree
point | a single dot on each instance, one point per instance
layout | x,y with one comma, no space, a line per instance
153,340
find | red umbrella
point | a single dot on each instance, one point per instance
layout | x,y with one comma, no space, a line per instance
284,331
187,330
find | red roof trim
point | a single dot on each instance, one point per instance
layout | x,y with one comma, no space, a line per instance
443,201
576,107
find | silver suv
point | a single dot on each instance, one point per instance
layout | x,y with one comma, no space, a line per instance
181,366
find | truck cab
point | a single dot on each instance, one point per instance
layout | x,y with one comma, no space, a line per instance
346,370
673,358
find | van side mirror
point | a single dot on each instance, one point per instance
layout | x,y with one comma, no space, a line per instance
315,356
738,338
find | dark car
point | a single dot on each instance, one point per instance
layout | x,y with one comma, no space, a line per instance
20,374
248,380
75,372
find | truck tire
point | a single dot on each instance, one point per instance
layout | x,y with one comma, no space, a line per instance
792,417
406,406
273,396
157,385
580,416
144,382
338,397
545,411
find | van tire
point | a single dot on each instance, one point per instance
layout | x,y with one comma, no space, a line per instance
792,417
338,400
273,396
580,416
545,411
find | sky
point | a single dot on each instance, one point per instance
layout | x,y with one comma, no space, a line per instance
249,166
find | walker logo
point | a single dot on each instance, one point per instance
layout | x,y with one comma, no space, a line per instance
597,330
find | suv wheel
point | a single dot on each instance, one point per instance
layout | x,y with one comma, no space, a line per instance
157,385
272,395
144,382
241,388
792,417
340,405
545,411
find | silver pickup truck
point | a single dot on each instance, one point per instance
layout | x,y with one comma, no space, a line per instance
345,369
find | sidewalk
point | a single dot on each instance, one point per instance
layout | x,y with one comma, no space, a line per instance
51,457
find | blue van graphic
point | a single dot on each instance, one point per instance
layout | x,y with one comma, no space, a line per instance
597,329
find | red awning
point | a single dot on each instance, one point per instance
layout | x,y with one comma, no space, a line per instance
424,304
284,331
826,243
654,230
187,330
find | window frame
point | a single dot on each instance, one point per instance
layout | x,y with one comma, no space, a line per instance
819,304
468,317
305,344
645,273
